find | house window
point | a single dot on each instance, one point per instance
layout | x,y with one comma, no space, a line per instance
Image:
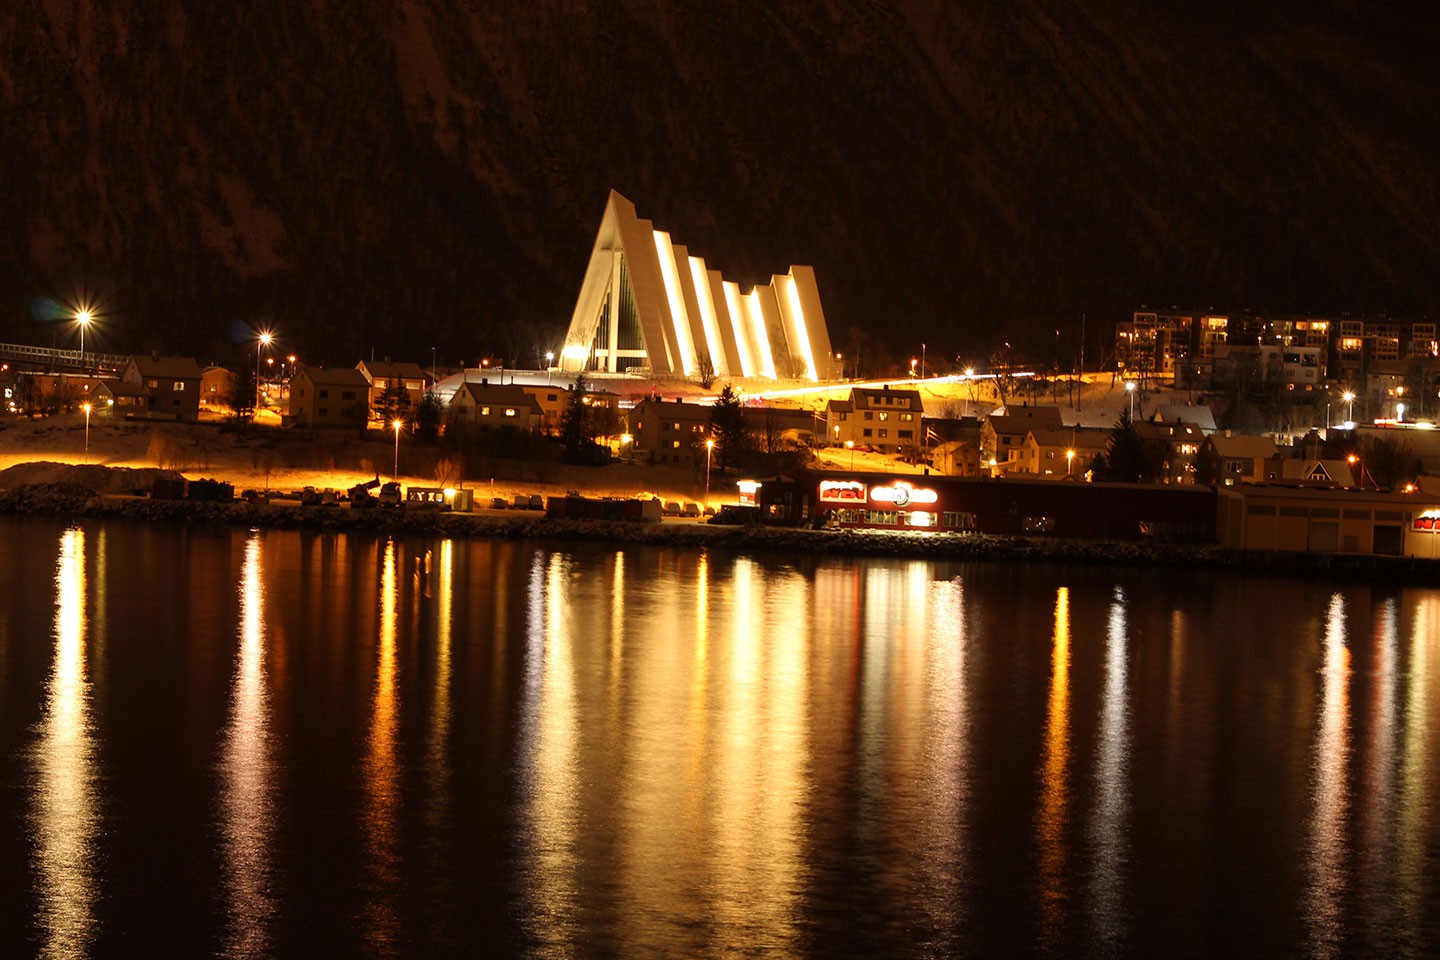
675,444
868,432
347,394
324,411
152,384
509,411
553,397
906,417
884,434
1049,454
1234,466
884,416
324,394
869,415
844,416
484,411
906,434
177,386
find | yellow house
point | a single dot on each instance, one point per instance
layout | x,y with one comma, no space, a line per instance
329,397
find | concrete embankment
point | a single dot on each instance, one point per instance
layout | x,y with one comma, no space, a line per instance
75,500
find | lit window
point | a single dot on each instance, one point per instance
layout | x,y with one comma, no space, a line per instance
509,411
484,411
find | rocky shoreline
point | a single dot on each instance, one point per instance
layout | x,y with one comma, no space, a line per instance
78,501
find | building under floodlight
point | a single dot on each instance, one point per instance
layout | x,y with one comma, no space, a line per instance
647,306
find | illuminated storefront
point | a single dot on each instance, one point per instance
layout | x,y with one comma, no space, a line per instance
938,504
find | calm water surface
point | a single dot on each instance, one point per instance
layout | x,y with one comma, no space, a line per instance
257,744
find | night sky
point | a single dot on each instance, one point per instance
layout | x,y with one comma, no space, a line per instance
389,177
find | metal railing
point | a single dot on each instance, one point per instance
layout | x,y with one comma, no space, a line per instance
70,359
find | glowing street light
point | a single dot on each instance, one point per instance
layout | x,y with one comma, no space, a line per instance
709,449
397,425
1349,397
86,407
549,365
850,445
263,341
1130,389
83,317
1069,459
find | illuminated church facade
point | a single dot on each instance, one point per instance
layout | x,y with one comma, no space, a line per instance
649,307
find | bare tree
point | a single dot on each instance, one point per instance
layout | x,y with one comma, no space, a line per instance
705,370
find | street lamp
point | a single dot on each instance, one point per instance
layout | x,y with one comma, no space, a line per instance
1069,459
709,449
1349,397
86,407
1130,389
83,318
263,341
549,366
397,425
850,445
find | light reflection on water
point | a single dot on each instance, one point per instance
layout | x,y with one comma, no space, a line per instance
1108,829
246,774
380,816
66,806
574,752
1054,812
1327,854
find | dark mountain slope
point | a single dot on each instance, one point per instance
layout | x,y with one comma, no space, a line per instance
398,176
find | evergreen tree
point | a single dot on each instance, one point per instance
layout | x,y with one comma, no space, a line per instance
241,389
728,426
1124,452
394,402
427,417
577,434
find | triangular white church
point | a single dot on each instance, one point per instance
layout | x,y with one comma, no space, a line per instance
647,304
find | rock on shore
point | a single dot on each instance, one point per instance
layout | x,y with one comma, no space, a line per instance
73,499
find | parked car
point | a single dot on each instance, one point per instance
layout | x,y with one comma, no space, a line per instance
736,515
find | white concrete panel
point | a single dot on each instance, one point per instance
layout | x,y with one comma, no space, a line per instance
679,319
737,308
755,314
715,346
